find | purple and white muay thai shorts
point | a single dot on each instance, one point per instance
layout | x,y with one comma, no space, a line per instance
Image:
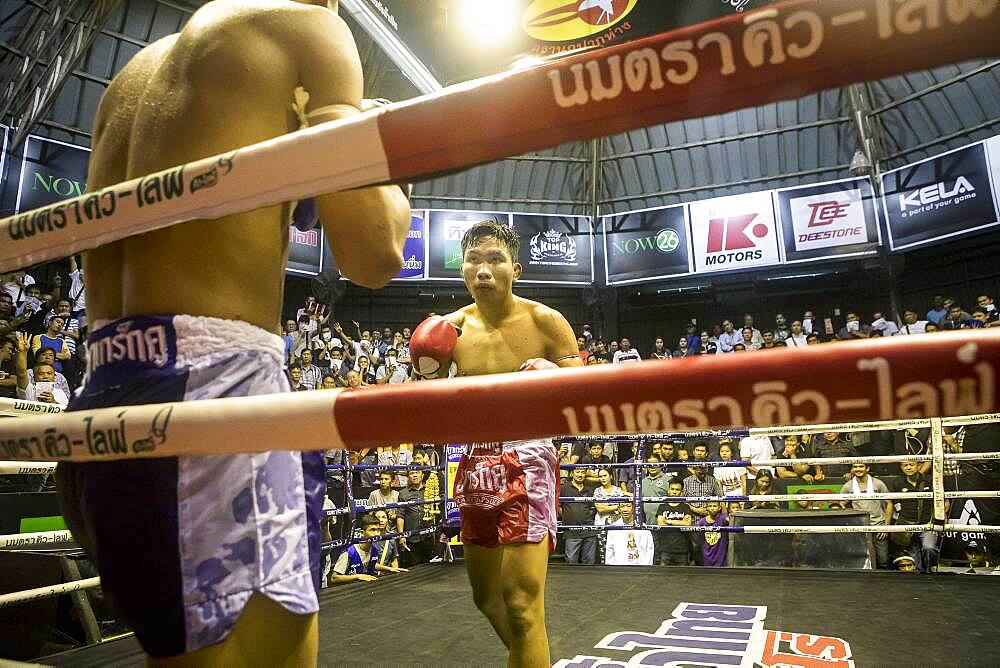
181,543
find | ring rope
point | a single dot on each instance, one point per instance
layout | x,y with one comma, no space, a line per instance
36,540
18,407
778,387
817,46
49,591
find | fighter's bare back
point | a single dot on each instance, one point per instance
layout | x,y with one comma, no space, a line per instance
226,81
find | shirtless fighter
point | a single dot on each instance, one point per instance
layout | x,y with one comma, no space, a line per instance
506,492
214,560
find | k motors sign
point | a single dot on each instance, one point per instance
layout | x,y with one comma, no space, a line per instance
646,245
734,232
940,197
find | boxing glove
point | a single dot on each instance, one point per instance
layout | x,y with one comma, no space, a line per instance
538,364
431,346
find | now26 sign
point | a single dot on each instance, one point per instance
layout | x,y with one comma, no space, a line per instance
50,171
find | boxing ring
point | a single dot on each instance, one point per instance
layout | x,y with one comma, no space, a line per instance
597,615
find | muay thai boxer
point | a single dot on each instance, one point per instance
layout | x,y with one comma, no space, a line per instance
506,492
215,560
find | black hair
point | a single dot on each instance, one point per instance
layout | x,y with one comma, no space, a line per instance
504,235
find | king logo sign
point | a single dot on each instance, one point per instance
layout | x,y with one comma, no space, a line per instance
827,220
553,248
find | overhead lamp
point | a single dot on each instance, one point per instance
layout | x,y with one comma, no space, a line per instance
488,22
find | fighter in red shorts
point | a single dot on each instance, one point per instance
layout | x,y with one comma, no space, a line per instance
506,492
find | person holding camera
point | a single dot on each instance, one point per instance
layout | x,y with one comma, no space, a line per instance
42,386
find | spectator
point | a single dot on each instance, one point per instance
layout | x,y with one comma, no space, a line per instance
77,294
883,326
612,349
956,318
853,329
626,354
52,338
879,512
358,562
312,376
683,350
729,337
748,342
15,285
365,480
795,449
609,512
581,344
655,483
414,549
763,484
739,348
385,494
8,374
290,337
699,452
397,456
339,366
48,356
911,323
937,312
732,479
767,336
832,444
674,544
596,456
985,302
329,382
922,546
694,339
781,331
393,371
978,319
659,351
625,475
295,378
912,441
715,544
633,547
699,483
796,337
581,545
42,386
755,336
365,371
599,353
753,449
588,334
813,340
388,561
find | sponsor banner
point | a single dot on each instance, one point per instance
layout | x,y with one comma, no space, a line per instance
993,158
559,26
444,243
945,196
733,232
305,251
555,249
828,219
452,518
702,634
413,249
50,171
646,245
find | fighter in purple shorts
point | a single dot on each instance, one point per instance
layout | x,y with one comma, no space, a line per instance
506,492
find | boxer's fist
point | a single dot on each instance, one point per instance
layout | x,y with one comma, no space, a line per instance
538,364
432,345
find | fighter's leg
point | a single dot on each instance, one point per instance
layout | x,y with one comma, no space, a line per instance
483,566
265,635
522,573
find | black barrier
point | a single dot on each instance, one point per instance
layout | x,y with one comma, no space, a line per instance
800,550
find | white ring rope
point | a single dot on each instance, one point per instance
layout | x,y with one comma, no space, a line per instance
23,468
37,540
39,593
17,407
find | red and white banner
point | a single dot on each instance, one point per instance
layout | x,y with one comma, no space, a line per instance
734,232
828,221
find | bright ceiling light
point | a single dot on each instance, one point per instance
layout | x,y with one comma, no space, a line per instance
489,21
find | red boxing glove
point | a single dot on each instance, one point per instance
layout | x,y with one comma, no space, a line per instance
432,345
538,364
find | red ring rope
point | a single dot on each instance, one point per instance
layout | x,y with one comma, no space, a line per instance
944,374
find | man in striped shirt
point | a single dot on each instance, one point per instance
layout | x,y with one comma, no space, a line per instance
312,376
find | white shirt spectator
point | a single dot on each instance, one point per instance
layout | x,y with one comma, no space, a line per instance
730,479
755,448
887,327
16,290
626,356
386,457
919,327
629,548
727,340
796,341
77,291
61,382
31,392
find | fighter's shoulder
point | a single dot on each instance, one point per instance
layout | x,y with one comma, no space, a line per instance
458,317
131,80
545,317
